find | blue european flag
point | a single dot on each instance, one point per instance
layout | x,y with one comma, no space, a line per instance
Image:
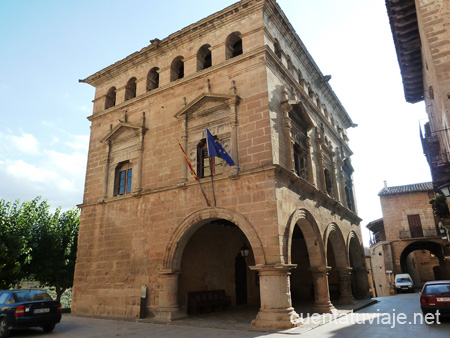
216,150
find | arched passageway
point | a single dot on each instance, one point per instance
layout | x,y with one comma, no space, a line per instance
339,277
359,281
202,256
304,247
424,261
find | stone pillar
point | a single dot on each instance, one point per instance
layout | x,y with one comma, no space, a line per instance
362,283
322,302
168,308
286,108
276,307
345,287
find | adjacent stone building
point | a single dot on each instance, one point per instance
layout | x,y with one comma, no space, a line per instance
421,33
406,239
146,226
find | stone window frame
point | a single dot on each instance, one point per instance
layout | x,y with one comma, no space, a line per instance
177,68
110,99
125,167
130,89
233,45
115,158
153,79
204,57
224,127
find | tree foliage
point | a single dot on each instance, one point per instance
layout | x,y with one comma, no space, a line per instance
37,244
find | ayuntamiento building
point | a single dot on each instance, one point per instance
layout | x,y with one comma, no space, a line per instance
244,74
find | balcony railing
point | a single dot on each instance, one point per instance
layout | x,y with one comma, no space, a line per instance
406,234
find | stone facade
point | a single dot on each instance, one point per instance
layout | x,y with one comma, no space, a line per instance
245,75
421,33
406,239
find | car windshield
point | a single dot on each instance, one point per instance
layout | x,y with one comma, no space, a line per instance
3,297
31,295
403,279
438,289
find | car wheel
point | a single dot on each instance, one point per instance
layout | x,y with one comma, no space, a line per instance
4,331
48,327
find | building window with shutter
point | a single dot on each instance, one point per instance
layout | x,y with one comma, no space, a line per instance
415,226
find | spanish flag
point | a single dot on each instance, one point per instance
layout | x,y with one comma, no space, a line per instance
188,162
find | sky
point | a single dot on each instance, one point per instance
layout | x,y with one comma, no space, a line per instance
46,46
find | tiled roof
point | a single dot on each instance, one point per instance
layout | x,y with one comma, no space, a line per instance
403,189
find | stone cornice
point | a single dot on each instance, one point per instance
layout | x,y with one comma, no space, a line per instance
192,77
281,21
175,186
308,191
234,12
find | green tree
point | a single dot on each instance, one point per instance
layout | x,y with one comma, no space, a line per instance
16,221
37,244
54,248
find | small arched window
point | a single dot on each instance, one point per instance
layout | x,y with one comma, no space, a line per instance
204,59
153,79
110,98
130,89
177,69
233,45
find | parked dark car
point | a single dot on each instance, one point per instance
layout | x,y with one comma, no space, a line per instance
435,296
27,308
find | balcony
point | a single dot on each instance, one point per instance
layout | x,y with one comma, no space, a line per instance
429,232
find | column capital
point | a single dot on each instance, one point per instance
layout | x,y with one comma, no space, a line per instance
273,268
320,269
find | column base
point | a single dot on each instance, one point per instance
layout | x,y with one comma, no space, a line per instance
169,314
325,307
277,319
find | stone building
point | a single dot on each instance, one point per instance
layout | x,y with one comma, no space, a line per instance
421,33
243,73
406,239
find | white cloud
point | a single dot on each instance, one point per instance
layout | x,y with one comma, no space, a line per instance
25,143
70,163
79,142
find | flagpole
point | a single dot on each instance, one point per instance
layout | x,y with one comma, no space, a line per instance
193,172
212,180
204,195
210,166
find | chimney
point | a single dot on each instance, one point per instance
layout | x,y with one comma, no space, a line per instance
385,184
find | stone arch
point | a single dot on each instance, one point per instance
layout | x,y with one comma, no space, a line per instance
313,238
184,231
130,89
352,236
233,45
334,233
360,283
153,79
204,58
177,68
110,100
433,247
